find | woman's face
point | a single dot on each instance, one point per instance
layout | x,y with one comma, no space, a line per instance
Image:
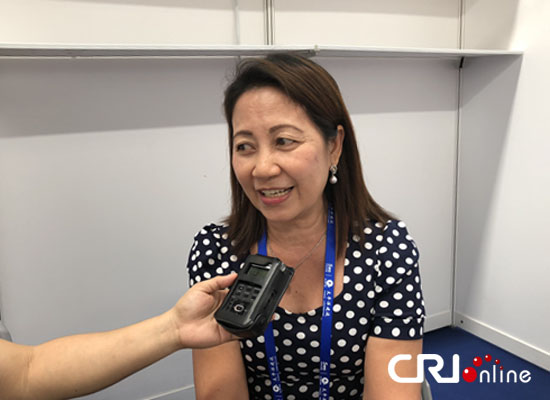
280,158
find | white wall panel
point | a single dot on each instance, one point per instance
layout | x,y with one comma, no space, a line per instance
489,24
397,23
503,269
129,22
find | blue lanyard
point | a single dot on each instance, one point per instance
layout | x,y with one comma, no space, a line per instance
326,319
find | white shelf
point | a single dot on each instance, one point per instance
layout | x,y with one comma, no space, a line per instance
174,51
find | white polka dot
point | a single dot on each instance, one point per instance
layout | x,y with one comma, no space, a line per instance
383,249
360,304
206,242
341,342
412,332
357,254
341,389
347,297
352,332
395,332
313,328
301,335
302,389
233,258
368,245
409,261
224,250
370,294
363,321
287,326
287,342
395,255
350,314
356,348
397,296
225,264
379,238
336,308
287,357
367,230
384,304
377,330
409,288
314,344
355,238
401,224
357,270
410,304
390,280
301,351
339,325
395,232
346,280
388,264
389,240
398,312
402,246
259,354
401,270
276,316
369,261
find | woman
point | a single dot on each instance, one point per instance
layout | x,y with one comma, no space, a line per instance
298,194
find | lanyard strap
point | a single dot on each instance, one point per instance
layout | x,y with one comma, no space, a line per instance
326,318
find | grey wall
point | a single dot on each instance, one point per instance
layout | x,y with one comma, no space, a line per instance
109,167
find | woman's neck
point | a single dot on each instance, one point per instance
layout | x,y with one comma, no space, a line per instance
299,232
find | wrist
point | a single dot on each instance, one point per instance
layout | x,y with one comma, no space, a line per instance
174,331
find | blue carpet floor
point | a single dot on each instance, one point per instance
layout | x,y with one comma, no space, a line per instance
449,341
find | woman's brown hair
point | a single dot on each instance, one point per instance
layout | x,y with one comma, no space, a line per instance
313,88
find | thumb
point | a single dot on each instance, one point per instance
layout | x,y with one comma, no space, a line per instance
217,283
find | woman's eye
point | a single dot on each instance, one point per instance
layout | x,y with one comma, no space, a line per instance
242,147
284,141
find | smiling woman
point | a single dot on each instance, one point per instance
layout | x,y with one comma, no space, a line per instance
298,194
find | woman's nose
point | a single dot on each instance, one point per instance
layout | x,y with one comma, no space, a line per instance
266,165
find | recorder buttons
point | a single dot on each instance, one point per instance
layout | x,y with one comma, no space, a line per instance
239,308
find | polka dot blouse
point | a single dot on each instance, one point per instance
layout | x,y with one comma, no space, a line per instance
381,297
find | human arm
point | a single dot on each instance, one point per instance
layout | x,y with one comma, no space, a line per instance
378,383
398,315
76,365
219,373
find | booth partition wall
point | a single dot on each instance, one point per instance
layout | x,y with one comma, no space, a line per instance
113,153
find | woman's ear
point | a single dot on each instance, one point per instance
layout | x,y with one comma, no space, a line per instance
336,145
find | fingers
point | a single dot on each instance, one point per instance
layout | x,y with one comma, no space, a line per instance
217,283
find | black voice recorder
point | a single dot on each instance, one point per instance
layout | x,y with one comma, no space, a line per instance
254,296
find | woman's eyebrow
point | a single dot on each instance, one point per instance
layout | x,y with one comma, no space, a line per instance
242,133
272,130
279,127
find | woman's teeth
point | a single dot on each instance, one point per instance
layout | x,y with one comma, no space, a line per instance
275,192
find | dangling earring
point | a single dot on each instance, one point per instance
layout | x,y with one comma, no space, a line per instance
333,179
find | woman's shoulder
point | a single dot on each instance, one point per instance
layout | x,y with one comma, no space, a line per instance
211,254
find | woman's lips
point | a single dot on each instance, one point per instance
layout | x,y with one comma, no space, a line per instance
274,196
